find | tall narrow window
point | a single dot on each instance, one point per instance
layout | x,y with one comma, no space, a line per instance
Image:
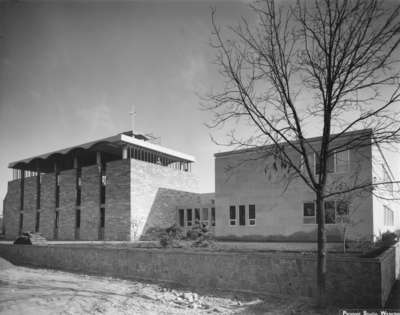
102,217
189,217
78,186
252,214
22,183
37,222
181,217
388,216
242,215
330,217
78,218
309,216
57,220
204,216
57,190
103,189
21,223
232,215
213,216
38,188
196,215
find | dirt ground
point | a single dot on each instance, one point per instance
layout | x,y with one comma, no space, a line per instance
41,291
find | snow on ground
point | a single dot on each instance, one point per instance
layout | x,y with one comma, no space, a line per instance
40,291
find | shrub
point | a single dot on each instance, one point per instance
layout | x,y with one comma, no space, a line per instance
200,235
170,236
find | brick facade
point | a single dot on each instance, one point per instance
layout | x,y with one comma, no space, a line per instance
47,205
90,205
118,201
67,180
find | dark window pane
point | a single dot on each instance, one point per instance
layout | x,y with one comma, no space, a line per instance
213,216
252,211
189,217
78,219
37,223
181,217
342,208
330,167
57,220
232,212
242,215
102,217
205,214
309,209
330,212
21,222
197,215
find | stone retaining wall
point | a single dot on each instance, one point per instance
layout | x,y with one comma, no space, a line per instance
357,282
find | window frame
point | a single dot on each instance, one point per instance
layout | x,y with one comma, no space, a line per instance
252,221
335,171
313,216
242,215
232,222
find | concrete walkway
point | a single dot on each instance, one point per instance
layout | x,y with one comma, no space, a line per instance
394,299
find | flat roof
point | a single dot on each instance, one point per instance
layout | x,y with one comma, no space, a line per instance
312,139
114,142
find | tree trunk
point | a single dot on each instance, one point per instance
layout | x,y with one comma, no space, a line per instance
321,262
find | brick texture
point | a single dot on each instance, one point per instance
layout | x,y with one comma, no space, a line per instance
47,205
29,204
66,230
117,210
11,209
90,205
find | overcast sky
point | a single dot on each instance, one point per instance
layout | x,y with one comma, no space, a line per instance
70,71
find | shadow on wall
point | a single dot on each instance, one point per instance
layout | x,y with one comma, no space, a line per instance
163,211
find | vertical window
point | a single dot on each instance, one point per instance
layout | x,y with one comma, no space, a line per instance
189,217
37,222
102,217
78,186
342,161
232,215
57,220
38,188
78,218
309,213
197,216
330,212
204,216
387,179
21,222
252,214
22,190
181,217
213,216
388,216
103,189
242,215
57,190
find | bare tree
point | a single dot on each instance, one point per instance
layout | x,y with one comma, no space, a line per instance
327,64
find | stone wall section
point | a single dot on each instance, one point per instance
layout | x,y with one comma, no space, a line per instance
156,191
47,205
67,182
351,281
12,209
118,201
30,196
90,203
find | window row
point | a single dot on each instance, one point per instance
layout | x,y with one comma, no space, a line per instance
335,211
237,215
338,162
188,216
